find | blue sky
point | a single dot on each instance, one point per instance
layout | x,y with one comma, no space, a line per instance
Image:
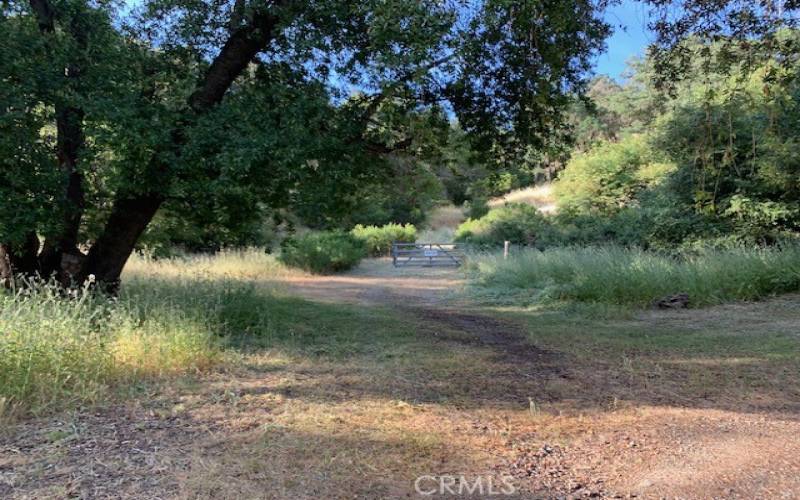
630,38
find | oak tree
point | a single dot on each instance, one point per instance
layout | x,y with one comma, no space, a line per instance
111,111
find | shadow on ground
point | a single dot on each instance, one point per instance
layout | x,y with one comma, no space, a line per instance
353,386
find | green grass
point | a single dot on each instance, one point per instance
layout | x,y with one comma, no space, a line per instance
703,334
631,277
57,352
737,356
174,316
300,327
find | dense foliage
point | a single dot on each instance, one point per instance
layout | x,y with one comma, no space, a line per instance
716,164
514,222
322,252
524,225
731,37
214,113
611,175
378,241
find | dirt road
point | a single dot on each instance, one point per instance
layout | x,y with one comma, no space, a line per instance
648,451
468,393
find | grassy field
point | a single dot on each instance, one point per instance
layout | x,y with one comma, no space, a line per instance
183,316
741,357
632,277
173,317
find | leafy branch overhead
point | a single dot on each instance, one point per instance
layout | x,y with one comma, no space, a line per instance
729,36
114,112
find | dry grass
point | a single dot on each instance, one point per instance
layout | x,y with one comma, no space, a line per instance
339,420
739,357
441,225
172,318
249,264
445,216
540,196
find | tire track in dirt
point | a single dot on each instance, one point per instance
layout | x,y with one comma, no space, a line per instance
429,297
643,451
485,331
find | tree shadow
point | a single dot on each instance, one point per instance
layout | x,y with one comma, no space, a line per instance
429,353
473,360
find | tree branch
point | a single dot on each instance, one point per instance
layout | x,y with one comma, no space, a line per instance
376,100
377,148
45,15
242,46
131,214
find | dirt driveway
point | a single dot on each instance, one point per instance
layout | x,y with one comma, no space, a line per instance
377,282
468,392
653,451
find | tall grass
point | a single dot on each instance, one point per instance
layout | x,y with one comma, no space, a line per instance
173,316
251,263
624,276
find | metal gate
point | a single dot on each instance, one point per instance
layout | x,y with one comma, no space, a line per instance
426,254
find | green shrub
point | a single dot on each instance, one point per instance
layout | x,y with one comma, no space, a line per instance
628,276
609,176
659,222
477,208
627,227
514,222
377,241
322,252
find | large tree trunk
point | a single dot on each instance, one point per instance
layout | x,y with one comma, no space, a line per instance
110,252
61,248
45,15
26,261
63,259
130,215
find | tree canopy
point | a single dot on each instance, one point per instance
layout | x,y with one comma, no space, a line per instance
207,109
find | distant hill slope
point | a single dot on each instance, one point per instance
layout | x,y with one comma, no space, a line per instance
540,196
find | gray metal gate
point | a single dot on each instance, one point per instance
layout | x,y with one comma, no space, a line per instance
426,254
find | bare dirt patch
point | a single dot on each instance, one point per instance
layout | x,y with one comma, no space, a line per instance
507,339
377,282
666,453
